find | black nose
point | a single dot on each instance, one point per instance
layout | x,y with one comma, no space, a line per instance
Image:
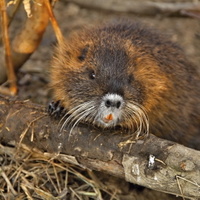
113,100
111,103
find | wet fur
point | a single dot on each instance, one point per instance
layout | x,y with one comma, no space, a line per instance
137,63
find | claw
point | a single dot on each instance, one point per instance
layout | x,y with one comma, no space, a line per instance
56,110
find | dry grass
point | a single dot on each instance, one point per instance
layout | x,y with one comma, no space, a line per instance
30,174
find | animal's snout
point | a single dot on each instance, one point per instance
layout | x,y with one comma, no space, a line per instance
113,101
110,109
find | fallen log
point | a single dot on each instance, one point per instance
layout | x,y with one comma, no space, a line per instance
143,8
153,162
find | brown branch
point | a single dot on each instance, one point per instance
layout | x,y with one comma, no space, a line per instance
27,41
154,163
54,22
8,57
141,8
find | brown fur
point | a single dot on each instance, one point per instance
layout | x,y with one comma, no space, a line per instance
151,70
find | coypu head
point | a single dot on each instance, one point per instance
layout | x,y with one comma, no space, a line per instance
110,76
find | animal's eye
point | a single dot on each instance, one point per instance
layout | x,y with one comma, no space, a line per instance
92,75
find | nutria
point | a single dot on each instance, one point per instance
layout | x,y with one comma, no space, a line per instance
128,75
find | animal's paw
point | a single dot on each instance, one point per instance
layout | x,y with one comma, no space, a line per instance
56,110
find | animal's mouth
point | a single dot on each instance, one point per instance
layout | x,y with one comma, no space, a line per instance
108,120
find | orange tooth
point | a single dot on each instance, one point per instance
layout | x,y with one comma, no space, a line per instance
108,118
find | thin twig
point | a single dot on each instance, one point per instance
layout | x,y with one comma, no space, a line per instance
8,181
180,188
54,22
8,57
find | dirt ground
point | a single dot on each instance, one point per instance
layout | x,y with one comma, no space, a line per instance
33,76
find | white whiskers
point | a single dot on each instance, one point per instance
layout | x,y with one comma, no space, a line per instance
85,111
135,115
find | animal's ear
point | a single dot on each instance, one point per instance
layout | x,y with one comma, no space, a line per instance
83,53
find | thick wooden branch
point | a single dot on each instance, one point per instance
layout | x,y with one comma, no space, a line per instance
154,163
141,7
